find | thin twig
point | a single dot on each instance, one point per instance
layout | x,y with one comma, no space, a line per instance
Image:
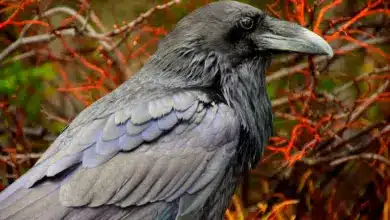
55,117
284,100
22,156
316,160
369,101
367,156
345,86
129,26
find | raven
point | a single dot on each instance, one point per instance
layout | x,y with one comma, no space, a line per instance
173,140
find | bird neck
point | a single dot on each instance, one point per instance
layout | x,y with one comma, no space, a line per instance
244,90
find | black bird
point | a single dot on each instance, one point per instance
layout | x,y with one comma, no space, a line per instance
172,141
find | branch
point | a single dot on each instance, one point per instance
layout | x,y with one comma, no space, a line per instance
367,156
55,117
22,156
360,77
316,160
139,19
321,14
363,107
89,30
284,100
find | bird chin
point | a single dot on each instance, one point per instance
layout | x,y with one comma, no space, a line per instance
274,52
270,52
265,53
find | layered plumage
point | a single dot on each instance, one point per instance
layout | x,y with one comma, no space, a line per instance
172,141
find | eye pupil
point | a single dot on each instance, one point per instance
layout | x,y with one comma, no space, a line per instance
246,23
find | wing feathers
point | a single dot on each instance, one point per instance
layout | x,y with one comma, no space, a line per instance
89,134
133,129
140,114
127,142
157,151
183,100
160,107
176,164
103,138
188,113
105,148
63,164
199,162
111,130
92,159
219,159
152,132
154,173
167,122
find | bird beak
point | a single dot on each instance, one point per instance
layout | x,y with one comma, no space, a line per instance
286,36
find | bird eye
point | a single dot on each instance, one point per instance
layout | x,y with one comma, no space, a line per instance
246,23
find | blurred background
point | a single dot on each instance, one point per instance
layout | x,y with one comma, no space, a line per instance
329,158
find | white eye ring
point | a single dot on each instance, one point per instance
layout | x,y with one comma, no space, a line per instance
246,23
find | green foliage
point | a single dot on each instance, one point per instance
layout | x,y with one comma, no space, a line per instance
24,86
283,126
272,89
374,113
56,127
326,84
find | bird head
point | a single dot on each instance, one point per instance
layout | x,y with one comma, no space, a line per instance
227,46
239,32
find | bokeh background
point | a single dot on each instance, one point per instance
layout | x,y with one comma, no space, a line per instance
329,158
